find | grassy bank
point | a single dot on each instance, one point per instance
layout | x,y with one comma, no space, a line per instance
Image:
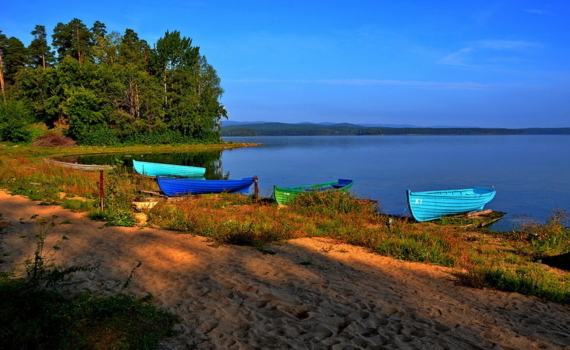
531,260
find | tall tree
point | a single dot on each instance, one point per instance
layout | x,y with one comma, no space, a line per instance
191,87
39,50
171,53
99,30
41,90
2,53
15,57
133,50
73,39
106,52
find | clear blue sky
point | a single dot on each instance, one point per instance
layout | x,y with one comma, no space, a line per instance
456,63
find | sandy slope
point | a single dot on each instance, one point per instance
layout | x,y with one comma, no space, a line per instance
312,294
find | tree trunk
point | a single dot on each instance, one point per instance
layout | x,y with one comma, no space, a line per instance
78,46
2,80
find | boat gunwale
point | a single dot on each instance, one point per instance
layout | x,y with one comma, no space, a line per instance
322,185
189,169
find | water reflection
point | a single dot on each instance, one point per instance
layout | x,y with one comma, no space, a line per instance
211,160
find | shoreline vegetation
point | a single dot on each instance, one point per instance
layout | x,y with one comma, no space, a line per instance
42,304
345,129
533,260
99,88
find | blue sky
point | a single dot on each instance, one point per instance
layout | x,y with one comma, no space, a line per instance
425,63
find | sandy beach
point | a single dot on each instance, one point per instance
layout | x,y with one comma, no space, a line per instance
311,294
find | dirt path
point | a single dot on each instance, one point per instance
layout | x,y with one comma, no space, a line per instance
312,294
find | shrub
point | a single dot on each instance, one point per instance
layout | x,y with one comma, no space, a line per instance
545,239
15,122
100,137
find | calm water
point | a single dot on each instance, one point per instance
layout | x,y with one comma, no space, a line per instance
531,173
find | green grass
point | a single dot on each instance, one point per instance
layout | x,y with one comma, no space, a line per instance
509,261
78,204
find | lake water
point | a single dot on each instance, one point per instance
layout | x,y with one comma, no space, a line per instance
530,173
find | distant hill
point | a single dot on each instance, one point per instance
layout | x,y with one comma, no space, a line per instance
231,122
310,129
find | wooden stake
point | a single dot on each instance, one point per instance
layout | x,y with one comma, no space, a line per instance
101,191
255,188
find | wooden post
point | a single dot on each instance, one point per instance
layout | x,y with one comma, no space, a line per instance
255,188
101,191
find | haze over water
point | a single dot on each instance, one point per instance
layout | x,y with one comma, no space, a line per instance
530,173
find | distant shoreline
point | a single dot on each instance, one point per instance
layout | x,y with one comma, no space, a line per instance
283,129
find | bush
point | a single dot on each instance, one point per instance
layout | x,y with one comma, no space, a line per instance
100,137
540,240
83,108
15,121
162,137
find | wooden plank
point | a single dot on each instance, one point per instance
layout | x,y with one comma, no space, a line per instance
482,212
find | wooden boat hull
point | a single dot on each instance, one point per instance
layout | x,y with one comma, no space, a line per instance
283,195
85,167
161,169
180,187
432,205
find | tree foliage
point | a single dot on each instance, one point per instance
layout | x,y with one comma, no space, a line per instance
39,51
14,121
112,88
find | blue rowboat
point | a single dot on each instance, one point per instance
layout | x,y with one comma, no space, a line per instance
432,205
180,187
160,169
283,195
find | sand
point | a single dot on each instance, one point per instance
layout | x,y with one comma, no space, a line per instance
311,294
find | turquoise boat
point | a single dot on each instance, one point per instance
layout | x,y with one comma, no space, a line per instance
160,169
283,195
432,205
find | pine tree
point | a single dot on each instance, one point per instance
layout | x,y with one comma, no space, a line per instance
73,39
39,50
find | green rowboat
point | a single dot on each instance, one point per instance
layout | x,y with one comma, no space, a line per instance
283,195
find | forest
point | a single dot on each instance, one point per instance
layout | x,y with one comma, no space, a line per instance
345,129
106,88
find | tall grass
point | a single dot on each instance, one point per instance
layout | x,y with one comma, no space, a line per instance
540,240
519,268
41,181
226,219
506,261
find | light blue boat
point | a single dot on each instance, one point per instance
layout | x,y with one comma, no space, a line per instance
432,205
160,169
